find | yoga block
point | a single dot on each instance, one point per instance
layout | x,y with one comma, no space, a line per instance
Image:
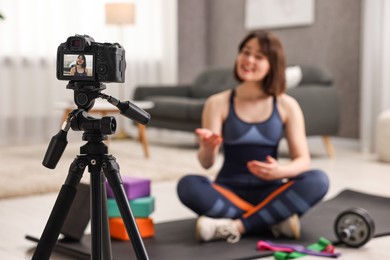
141,207
134,187
118,229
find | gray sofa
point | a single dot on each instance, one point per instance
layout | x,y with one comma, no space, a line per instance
180,107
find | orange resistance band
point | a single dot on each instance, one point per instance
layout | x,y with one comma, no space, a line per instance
246,206
240,203
268,199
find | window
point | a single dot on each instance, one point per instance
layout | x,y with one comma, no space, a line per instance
31,32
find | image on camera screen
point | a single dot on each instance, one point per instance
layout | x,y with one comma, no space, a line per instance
78,66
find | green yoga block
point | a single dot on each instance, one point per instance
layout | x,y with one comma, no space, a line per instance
141,207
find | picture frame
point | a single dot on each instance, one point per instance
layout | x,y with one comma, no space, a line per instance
267,14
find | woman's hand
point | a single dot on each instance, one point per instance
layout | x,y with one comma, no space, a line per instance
208,139
268,170
208,147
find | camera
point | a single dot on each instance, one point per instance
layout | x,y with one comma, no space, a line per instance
80,58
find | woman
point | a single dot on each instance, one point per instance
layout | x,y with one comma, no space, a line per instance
253,192
80,69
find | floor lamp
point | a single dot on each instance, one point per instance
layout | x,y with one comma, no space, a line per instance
121,15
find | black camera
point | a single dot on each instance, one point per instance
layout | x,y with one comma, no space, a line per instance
80,58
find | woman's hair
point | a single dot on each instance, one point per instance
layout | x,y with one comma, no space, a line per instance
85,62
275,81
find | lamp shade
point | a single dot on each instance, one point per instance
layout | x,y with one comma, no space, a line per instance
120,13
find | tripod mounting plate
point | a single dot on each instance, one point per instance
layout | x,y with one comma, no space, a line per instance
85,93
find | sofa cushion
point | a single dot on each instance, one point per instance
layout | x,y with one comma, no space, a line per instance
293,76
212,81
179,108
314,75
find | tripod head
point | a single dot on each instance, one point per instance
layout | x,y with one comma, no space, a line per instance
95,129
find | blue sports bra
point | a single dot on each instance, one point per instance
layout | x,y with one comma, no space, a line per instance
83,74
244,142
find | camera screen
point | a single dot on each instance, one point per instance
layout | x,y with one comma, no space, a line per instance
78,66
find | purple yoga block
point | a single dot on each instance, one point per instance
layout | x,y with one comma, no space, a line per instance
134,187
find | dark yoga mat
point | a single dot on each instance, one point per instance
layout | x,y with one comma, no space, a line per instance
175,240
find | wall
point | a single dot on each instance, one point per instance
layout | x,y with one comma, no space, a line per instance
332,42
192,38
375,67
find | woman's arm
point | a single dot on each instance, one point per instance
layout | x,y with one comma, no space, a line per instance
72,71
210,135
296,138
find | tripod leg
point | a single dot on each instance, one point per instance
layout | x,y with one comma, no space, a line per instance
106,240
111,170
60,210
100,234
96,215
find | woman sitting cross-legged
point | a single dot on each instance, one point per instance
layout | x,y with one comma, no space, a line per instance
253,192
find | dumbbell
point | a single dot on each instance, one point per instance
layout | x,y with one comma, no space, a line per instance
354,227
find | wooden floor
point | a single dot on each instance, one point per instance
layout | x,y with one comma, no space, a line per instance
349,169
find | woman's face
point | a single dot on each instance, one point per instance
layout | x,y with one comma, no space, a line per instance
80,60
252,64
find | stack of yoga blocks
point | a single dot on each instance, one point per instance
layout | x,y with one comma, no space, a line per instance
141,204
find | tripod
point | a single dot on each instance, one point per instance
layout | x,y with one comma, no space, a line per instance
101,166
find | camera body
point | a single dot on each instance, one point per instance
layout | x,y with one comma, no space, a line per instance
98,62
